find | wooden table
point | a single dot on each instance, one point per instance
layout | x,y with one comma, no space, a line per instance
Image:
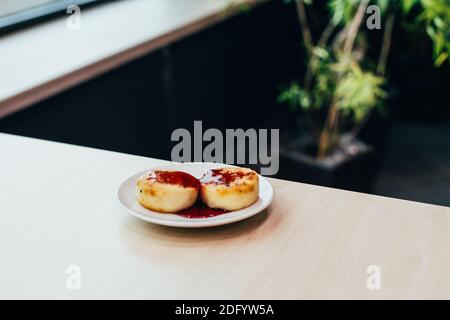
58,208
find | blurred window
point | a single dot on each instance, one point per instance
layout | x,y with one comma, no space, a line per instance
15,13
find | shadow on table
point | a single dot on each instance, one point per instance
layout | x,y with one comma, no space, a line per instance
136,232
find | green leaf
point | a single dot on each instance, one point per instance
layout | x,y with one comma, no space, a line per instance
321,52
359,91
337,9
441,59
407,5
383,4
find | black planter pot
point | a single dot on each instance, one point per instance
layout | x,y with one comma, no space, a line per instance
353,167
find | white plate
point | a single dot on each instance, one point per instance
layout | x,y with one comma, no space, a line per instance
127,196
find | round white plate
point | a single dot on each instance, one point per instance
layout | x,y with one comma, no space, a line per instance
127,195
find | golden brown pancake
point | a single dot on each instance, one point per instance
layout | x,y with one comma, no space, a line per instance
229,188
167,191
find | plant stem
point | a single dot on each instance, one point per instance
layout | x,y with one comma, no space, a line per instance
354,27
313,60
307,38
325,36
387,37
381,67
306,31
330,131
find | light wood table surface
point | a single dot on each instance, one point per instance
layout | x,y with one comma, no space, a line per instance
58,208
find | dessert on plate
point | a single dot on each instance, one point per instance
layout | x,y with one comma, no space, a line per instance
167,191
229,188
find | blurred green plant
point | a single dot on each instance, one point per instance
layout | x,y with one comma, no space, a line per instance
234,6
340,77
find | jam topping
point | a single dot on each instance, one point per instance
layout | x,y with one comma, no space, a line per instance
224,176
174,177
200,210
